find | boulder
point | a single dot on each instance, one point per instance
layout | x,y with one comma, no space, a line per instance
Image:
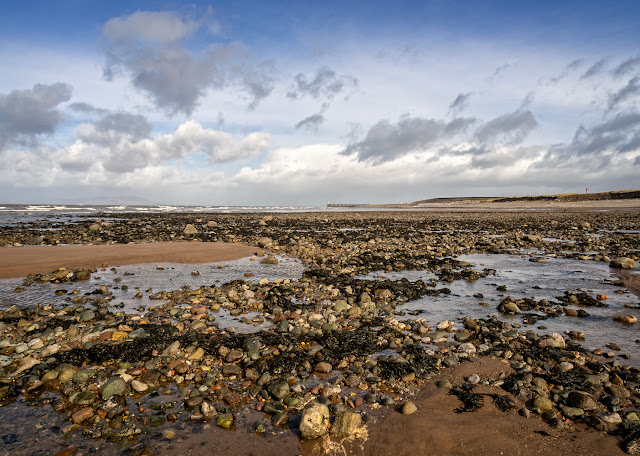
314,422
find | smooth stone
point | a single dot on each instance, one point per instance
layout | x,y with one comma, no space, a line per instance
115,386
409,408
225,420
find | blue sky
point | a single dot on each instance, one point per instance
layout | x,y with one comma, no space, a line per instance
307,102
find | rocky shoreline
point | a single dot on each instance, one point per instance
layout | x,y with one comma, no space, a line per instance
338,351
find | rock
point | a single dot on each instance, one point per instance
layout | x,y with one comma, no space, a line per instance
582,400
555,340
346,424
509,308
628,319
94,227
82,415
269,260
279,389
473,379
467,348
409,408
168,433
622,263
190,229
172,349
572,412
212,224
444,384
137,334
314,421
323,367
196,355
225,420
139,386
87,315
542,403
265,242
115,386
611,418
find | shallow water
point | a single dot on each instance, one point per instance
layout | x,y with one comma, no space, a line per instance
125,281
520,276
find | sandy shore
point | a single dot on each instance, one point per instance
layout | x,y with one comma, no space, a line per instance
20,261
436,430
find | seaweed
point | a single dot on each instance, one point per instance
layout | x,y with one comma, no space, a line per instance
503,403
471,402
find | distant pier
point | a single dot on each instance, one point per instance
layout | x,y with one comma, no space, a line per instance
344,205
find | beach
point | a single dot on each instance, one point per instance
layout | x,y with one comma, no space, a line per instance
23,260
355,334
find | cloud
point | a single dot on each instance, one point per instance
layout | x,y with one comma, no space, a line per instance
27,114
628,92
595,69
312,122
572,66
86,108
596,147
460,103
155,51
626,67
509,129
326,83
148,27
114,126
386,142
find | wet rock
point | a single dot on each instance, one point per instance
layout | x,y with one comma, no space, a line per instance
279,389
409,408
115,386
581,400
623,263
346,424
82,415
269,260
225,420
314,421
628,319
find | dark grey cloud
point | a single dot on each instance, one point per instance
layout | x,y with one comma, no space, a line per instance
152,50
86,108
508,129
386,141
460,103
626,67
326,83
135,126
598,144
595,69
627,93
27,114
312,122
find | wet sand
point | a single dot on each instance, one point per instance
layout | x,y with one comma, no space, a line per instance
436,430
19,261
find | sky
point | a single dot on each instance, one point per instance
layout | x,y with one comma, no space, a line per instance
304,103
